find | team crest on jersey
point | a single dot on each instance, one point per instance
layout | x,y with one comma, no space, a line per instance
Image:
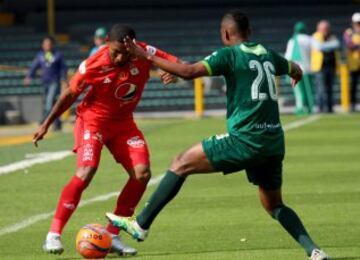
134,71
126,91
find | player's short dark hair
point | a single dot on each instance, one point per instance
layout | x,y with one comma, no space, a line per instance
50,38
119,31
241,20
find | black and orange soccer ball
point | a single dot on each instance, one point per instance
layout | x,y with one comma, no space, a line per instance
93,241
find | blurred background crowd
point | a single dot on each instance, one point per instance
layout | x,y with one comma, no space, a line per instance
43,42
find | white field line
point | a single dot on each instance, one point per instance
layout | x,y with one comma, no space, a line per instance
40,158
32,159
37,218
301,122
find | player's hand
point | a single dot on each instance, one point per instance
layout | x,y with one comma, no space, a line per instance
27,81
167,78
134,49
40,133
295,74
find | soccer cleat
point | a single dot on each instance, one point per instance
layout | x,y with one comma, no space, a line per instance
118,247
53,244
318,254
128,225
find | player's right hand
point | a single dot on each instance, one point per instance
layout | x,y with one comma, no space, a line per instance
39,134
135,49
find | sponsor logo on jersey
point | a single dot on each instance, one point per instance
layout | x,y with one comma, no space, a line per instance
126,91
136,142
107,80
88,153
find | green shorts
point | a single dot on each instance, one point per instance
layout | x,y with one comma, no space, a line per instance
229,154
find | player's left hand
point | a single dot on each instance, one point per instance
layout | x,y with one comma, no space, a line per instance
134,49
167,78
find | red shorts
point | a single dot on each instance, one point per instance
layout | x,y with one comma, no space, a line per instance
124,140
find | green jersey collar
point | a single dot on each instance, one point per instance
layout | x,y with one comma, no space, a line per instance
254,48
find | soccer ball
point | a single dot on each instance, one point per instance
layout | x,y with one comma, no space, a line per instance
93,241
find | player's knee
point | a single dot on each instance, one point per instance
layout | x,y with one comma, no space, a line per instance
142,173
181,166
86,173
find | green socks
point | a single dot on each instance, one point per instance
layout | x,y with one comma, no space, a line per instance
292,223
165,192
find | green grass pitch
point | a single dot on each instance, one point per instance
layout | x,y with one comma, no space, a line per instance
212,215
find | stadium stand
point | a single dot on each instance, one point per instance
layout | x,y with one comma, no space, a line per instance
190,33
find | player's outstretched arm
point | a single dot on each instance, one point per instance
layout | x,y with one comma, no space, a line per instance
186,71
66,99
295,73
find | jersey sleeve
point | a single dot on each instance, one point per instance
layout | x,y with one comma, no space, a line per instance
282,65
79,80
219,62
151,50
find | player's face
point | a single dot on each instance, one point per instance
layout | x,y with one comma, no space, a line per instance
98,41
324,28
118,53
47,45
356,27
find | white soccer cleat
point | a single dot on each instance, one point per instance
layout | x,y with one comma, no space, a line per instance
318,254
128,225
118,247
53,244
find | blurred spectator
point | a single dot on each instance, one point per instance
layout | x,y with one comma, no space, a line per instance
99,40
324,59
352,45
53,71
298,49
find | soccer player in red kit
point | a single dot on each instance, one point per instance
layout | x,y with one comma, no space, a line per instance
114,81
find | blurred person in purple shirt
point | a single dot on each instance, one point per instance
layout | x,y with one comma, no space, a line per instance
53,72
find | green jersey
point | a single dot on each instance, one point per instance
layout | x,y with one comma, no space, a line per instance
252,108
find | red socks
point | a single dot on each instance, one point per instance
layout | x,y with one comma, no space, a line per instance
127,201
67,204
71,194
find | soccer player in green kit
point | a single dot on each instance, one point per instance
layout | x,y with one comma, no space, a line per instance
255,139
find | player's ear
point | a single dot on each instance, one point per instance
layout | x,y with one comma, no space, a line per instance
227,35
107,38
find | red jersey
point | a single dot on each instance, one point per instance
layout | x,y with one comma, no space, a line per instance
114,91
